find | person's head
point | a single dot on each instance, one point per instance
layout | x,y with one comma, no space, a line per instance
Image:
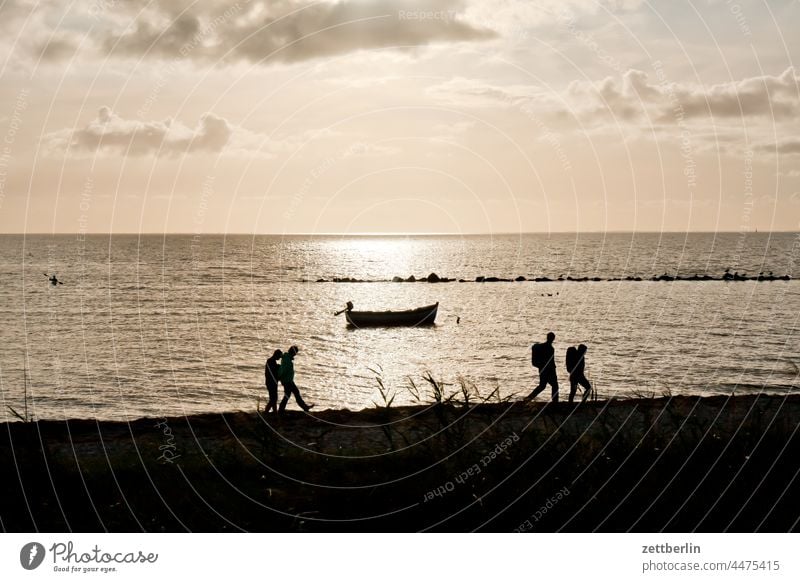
550,337
293,350
582,348
276,354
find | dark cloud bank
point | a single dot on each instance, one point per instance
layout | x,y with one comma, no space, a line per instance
286,31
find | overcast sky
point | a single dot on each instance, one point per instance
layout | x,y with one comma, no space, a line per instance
393,116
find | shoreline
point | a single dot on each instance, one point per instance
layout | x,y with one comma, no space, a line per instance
679,463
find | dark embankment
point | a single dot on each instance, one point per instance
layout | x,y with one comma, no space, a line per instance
675,464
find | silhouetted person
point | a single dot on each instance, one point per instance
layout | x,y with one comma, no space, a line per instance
575,364
271,380
543,357
286,376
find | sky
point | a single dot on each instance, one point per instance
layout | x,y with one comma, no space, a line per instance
390,116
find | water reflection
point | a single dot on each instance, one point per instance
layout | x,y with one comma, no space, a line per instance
139,329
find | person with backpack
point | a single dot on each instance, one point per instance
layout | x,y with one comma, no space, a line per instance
575,365
271,368
286,376
543,358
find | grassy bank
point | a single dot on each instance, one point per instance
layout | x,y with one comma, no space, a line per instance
676,464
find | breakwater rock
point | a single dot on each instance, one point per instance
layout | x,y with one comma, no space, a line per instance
434,278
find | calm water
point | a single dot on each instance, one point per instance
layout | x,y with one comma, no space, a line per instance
153,325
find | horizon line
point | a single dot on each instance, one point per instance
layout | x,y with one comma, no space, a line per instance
393,234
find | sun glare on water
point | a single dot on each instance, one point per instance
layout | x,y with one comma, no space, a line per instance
379,254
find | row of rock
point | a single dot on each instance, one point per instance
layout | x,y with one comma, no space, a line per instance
434,278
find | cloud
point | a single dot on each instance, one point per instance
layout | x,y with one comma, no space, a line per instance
625,98
285,31
13,10
109,133
766,95
728,117
789,146
511,16
272,30
461,91
56,48
632,97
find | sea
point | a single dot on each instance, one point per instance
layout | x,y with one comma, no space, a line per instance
164,325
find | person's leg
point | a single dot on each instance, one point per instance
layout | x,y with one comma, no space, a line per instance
554,386
299,399
587,388
272,403
549,377
286,393
540,387
573,387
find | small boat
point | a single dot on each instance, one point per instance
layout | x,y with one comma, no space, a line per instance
411,317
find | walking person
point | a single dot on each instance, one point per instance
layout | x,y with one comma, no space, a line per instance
271,380
286,376
576,362
543,358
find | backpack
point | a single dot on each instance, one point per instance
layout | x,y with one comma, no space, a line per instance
538,355
573,358
284,370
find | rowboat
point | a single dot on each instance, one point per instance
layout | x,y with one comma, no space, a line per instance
411,317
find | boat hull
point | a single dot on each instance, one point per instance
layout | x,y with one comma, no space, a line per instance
410,318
